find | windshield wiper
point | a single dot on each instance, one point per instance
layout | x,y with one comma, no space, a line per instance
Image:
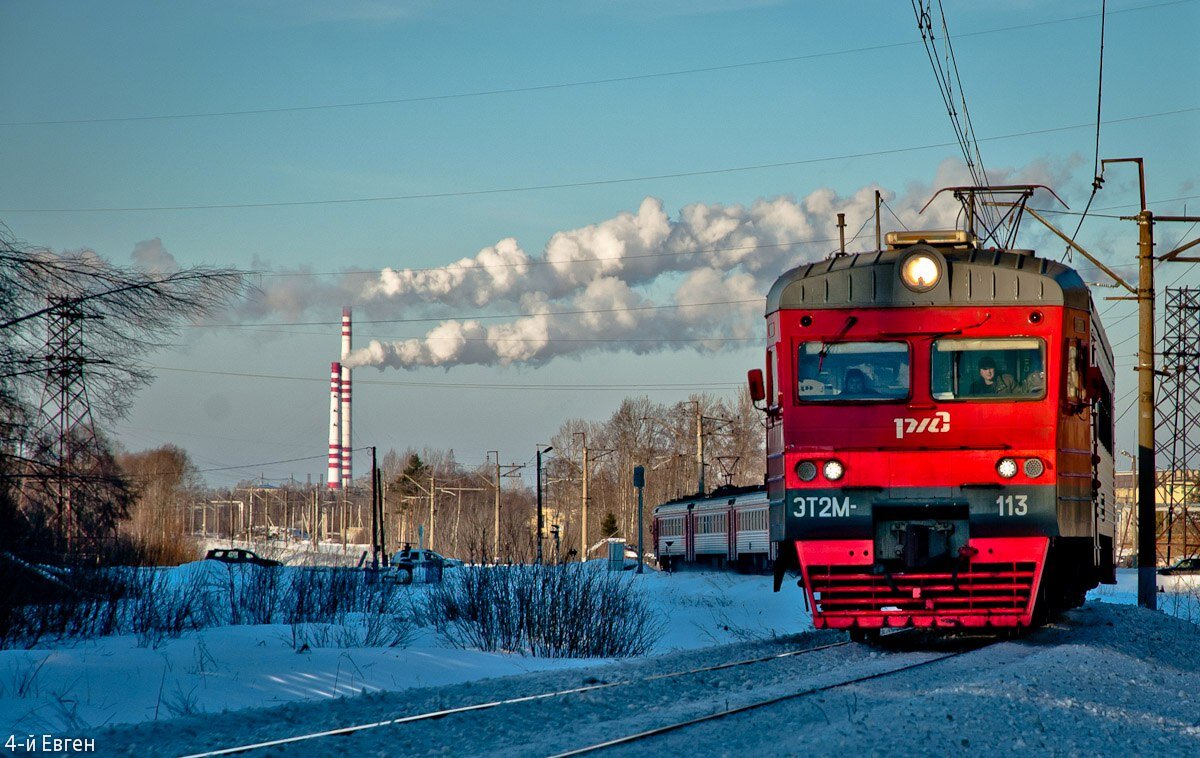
850,321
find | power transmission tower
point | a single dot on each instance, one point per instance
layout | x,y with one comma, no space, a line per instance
66,438
1178,419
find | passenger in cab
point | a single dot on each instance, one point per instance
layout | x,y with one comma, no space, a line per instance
856,384
987,383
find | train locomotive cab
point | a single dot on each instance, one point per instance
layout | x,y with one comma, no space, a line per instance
939,435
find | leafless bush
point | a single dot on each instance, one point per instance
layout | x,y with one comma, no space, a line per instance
164,609
156,605
568,611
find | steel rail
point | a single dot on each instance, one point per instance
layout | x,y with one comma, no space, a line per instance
760,704
342,731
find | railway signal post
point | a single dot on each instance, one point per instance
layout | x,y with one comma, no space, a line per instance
639,481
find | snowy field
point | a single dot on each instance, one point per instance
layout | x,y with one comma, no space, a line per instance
75,690
81,686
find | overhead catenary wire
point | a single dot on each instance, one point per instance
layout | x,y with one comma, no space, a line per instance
475,266
552,86
527,314
573,387
1098,179
582,183
963,127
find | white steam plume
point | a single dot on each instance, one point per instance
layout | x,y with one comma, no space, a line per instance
641,281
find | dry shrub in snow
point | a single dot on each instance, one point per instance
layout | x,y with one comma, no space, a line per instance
156,604
569,611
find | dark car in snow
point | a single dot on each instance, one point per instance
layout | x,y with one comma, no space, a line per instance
237,555
1182,567
423,565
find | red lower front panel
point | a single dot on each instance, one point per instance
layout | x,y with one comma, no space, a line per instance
994,588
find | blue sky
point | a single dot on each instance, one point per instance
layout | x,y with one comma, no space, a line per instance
786,83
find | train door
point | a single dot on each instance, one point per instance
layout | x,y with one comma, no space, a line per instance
731,532
689,533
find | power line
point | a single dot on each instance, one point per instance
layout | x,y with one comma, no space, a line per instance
473,385
508,315
1098,181
964,129
556,263
552,86
584,183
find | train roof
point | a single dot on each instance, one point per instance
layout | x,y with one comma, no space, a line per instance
721,495
974,277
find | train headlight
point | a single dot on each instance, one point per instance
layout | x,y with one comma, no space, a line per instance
920,272
1034,467
834,470
806,470
1006,467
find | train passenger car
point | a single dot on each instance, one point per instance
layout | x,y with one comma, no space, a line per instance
725,528
939,435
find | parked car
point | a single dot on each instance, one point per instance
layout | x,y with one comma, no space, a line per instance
421,565
237,555
1182,567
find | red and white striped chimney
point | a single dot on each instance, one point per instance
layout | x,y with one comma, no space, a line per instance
347,446
335,445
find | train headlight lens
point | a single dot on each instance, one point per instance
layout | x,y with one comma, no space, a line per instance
920,272
806,470
1034,467
1006,468
834,470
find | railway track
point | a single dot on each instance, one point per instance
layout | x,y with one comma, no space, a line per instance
477,707
676,726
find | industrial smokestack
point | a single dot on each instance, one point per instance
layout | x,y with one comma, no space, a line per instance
335,447
347,414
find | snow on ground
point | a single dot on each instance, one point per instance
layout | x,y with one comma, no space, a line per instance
74,689
114,680
1107,679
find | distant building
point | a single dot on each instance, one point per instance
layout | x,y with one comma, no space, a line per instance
1177,511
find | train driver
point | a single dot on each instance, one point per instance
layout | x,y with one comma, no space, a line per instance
856,384
987,383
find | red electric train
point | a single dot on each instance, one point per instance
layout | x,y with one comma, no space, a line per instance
939,433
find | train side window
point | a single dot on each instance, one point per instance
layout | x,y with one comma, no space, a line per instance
842,372
1008,368
1074,375
1104,422
672,527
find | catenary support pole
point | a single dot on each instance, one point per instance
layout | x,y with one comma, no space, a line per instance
1147,526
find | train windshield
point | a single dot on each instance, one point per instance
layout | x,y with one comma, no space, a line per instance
852,371
1012,368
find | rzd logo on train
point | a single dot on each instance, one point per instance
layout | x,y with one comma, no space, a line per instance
938,422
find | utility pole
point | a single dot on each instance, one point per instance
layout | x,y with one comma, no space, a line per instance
377,480
1144,294
432,489
699,447
1147,469
583,503
375,525
496,511
540,517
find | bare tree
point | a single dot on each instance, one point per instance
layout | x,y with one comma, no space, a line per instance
124,315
